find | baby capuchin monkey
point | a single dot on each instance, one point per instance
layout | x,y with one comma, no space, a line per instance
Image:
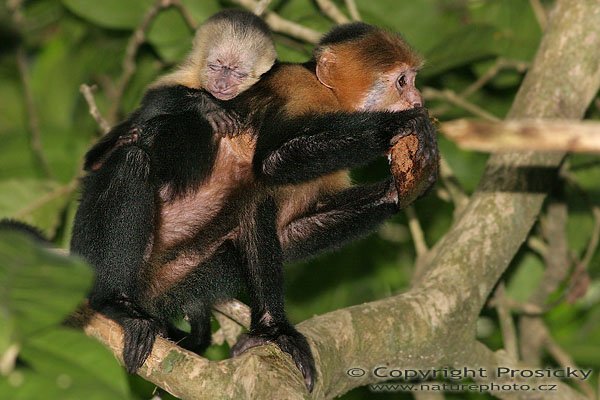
231,50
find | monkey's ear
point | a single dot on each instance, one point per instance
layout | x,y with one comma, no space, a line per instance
325,65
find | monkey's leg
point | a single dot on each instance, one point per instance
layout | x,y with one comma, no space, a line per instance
345,216
112,231
218,278
300,149
199,337
261,252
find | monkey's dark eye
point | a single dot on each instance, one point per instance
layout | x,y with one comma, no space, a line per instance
214,67
401,81
240,75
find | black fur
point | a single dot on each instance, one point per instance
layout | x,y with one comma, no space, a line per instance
346,33
115,223
300,149
160,101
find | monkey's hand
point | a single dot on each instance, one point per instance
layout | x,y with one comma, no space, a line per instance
289,340
131,137
223,122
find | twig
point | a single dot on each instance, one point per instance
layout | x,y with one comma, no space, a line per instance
33,121
56,193
8,359
525,135
498,66
282,25
564,360
353,10
93,108
185,13
580,278
236,311
594,240
507,325
416,231
228,331
538,245
540,13
456,192
129,65
261,7
527,309
451,97
556,259
332,11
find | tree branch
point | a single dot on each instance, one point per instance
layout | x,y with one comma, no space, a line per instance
282,25
525,135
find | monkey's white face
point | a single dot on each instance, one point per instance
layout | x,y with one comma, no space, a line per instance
227,70
394,91
224,79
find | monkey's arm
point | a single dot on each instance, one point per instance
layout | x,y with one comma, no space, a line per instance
296,150
167,100
177,99
344,217
112,231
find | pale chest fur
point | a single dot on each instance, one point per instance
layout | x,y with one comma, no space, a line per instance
184,217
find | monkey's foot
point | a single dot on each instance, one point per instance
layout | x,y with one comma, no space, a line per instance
140,334
291,342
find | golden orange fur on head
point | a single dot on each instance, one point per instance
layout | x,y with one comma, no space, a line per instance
355,60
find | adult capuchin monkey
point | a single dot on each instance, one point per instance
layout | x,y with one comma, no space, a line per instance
231,50
154,213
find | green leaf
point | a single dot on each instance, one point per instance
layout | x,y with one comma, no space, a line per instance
527,276
170,36
84,365
201,10
518,32
116,14
468,44
38,202
436,19
38,288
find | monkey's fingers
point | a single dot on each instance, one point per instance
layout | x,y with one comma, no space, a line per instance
292,343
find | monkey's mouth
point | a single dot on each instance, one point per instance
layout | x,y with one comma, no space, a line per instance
225,95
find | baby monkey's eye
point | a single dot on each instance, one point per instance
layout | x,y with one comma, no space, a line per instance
214,67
